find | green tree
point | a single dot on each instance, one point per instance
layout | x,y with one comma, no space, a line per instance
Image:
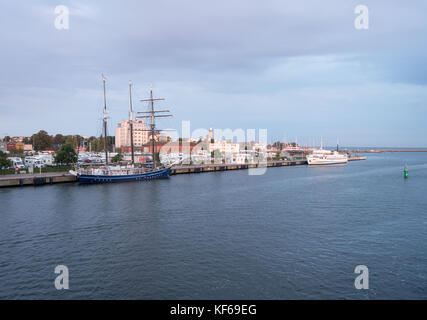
16,152
6,139
216,155
117,158
74,140
91,143
99,144
66,155
77,140
4,161
42,140
58,141
70,140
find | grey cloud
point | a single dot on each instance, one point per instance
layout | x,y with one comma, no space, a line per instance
238,51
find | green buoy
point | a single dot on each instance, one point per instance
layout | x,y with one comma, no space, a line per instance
405,172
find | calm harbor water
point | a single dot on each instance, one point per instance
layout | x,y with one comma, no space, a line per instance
292,233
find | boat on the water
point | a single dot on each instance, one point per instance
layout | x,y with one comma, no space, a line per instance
108,173
326,157
119,174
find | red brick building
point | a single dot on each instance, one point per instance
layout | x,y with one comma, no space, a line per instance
11,145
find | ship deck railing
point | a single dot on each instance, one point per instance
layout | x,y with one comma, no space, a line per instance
113,172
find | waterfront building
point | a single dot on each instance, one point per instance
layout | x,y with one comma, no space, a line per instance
273,149
162,137
81,148
171,147
259,147
138,157
28,148
19,146
10,146
140,134
17,139
224,146
238,158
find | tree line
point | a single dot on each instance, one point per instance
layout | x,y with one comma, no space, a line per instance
43,141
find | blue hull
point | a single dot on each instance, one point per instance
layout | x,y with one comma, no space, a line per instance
157,174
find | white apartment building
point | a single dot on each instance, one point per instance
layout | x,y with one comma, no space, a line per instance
259,147
224,146
140,136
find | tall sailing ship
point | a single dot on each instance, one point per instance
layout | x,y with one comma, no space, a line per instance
109,173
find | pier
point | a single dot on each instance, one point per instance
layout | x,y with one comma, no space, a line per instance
20,180
185,169
356,158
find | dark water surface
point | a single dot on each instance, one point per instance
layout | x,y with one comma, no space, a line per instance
295,232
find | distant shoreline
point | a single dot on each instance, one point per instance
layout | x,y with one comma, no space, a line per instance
383,150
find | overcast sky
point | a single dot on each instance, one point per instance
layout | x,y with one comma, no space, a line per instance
297,68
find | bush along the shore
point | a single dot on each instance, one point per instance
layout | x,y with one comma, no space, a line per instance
117,158
67,155
4,161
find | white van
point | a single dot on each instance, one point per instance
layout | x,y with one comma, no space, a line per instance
16,162
46,158
34,162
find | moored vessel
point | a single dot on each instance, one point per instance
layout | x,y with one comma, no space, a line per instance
108,173
326,157
119,174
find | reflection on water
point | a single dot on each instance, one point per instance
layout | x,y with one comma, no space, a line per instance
295,232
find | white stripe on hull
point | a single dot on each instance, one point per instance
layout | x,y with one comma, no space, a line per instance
326,162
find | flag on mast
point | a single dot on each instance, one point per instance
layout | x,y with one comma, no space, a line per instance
104,78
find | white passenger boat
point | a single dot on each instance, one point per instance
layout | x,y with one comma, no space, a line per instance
326,157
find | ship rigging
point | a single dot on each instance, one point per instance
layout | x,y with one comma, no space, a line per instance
120,173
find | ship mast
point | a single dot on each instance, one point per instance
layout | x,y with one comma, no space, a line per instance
152,115
131,122
105,123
